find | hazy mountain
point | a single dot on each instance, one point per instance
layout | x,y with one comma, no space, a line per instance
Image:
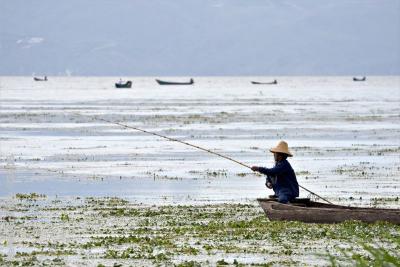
199,37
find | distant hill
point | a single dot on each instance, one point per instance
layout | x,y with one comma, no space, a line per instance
199,37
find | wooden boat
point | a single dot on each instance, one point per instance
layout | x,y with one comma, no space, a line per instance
363,79
160,82
308,211
127,84
40,79
274,82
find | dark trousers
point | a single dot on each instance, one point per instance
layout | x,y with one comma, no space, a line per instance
284,195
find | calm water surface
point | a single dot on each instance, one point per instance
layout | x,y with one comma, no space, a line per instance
344,134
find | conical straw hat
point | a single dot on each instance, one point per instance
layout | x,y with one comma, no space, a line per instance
282,147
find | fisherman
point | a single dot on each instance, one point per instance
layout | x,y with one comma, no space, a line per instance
281,178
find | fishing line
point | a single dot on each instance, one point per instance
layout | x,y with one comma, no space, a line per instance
188,144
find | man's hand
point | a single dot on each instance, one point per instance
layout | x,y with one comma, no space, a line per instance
254,168
269,185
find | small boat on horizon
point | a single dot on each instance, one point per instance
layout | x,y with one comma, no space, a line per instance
121,84
273,82
363,79
40,79
160,82
305,210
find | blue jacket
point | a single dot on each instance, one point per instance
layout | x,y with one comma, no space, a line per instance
282,178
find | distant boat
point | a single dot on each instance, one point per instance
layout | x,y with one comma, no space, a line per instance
174,83
363,79
274,82
121,84
40,79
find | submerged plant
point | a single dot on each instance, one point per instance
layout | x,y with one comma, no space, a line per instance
370,256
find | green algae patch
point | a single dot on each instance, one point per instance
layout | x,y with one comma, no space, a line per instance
106,230
31,196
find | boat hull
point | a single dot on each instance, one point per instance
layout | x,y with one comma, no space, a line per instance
39,79
128,84
316,212
260,83
160,82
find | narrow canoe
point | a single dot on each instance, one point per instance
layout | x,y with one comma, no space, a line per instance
274,82
308,211
160,82
40,79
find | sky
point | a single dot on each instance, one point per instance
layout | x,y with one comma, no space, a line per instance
199,37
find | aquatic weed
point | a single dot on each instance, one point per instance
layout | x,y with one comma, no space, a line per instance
31,196
189,264
64,217
369,256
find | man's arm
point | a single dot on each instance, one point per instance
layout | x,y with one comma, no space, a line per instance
268,182
278,169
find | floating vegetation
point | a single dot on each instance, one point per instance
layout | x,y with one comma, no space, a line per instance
112,230
106,201
384,151
64,217
383,200
369,255
216,173
299,173
361,170
31,196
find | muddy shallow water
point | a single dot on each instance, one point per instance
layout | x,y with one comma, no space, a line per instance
345,137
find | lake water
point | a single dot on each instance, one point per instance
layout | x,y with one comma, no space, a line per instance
344,134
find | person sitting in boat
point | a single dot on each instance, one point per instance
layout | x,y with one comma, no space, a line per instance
281,178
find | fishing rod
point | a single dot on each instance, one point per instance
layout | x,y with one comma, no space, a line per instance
189,144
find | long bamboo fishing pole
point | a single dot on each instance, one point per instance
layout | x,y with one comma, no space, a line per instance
188,144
